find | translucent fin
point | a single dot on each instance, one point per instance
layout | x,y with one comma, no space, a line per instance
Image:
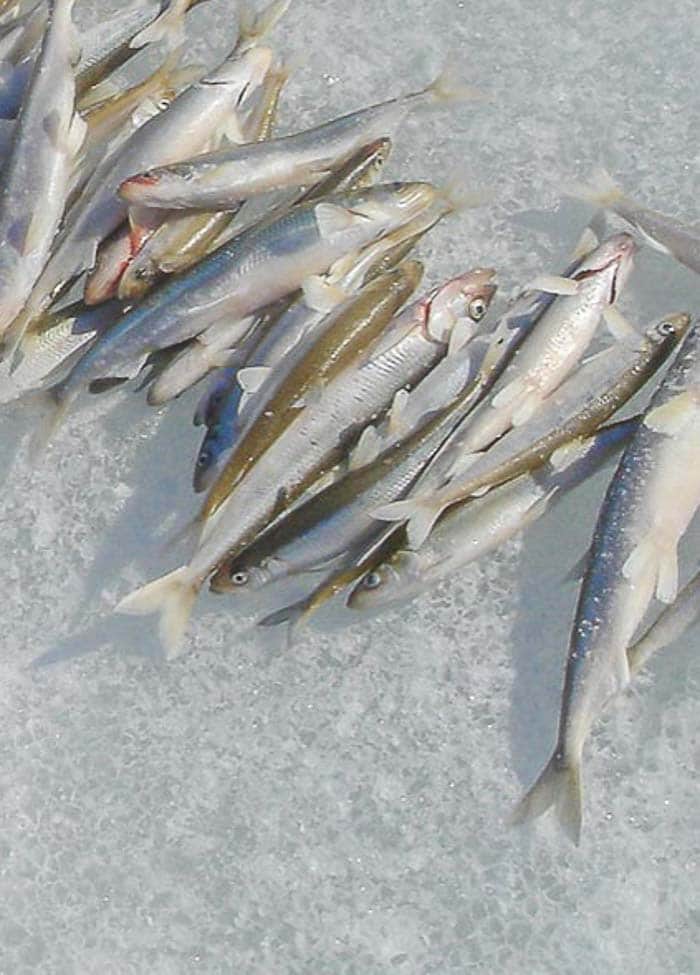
321,296
398,411
459,336
463,462
558,785
601,190
641,560
332,219
554,285
293,616
366,450
652,242
253,27
569,453
172,596
672,417
621,329
251,378
447,87
397,510
526,410
587,242
667,577
509,394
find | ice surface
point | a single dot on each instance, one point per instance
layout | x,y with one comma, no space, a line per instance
339,809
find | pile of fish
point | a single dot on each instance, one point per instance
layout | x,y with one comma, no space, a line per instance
360,441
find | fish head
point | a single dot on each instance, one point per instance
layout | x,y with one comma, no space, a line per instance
394,579
393,204
669,330
611,262
235,576
462,301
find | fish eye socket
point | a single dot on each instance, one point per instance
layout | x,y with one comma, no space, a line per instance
666,328
239,577
477,309
372,580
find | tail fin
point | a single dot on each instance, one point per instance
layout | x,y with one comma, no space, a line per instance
558,785
294,616
420,513
447,87
173,596
168,26
601,190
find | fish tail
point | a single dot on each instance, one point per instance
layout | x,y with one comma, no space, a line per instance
172,596
601,190
253,27
421,513
558,785
447,87
168,26
294,616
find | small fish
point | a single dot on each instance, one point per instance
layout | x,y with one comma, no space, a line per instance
473,529
579,406
662,233
348,335
256,268
651,499
311,446
47,139
670,625
220,180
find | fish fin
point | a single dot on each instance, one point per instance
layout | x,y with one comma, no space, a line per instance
509,394
321,296
447,87
332,219
621,329
100,92
601,190
172,596
587,242
397,511
667,575
75,137
553,284
398,411
655,561
421,522
642,556
168,26
366,449
459,336
253,27
569,453
220,358
525,410
106,383
145,111
251,378
558,785
673,416
293,616
55,407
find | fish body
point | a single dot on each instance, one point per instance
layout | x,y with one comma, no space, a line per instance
584,401
651,499
14,81
309,447
234,281
472,530
221,179
46,140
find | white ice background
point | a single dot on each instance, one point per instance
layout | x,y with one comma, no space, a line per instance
339,808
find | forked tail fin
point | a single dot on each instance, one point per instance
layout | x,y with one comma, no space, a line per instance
558,785
172,596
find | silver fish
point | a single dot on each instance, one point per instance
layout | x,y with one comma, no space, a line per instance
652,497
47,139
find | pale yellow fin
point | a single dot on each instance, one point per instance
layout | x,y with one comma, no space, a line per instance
558,785
554,285
172,596
673,416
601,190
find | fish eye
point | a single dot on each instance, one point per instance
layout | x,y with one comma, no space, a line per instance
666,328
477,309
372,580
239,577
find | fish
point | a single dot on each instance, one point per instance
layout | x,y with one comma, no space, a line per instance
310,447
14,81
652,497
53,343
221,179
669,626
19,41
46,142
349,332
338,518
584,401
199,110
257,268
680,241
470,530
183,239
533,356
